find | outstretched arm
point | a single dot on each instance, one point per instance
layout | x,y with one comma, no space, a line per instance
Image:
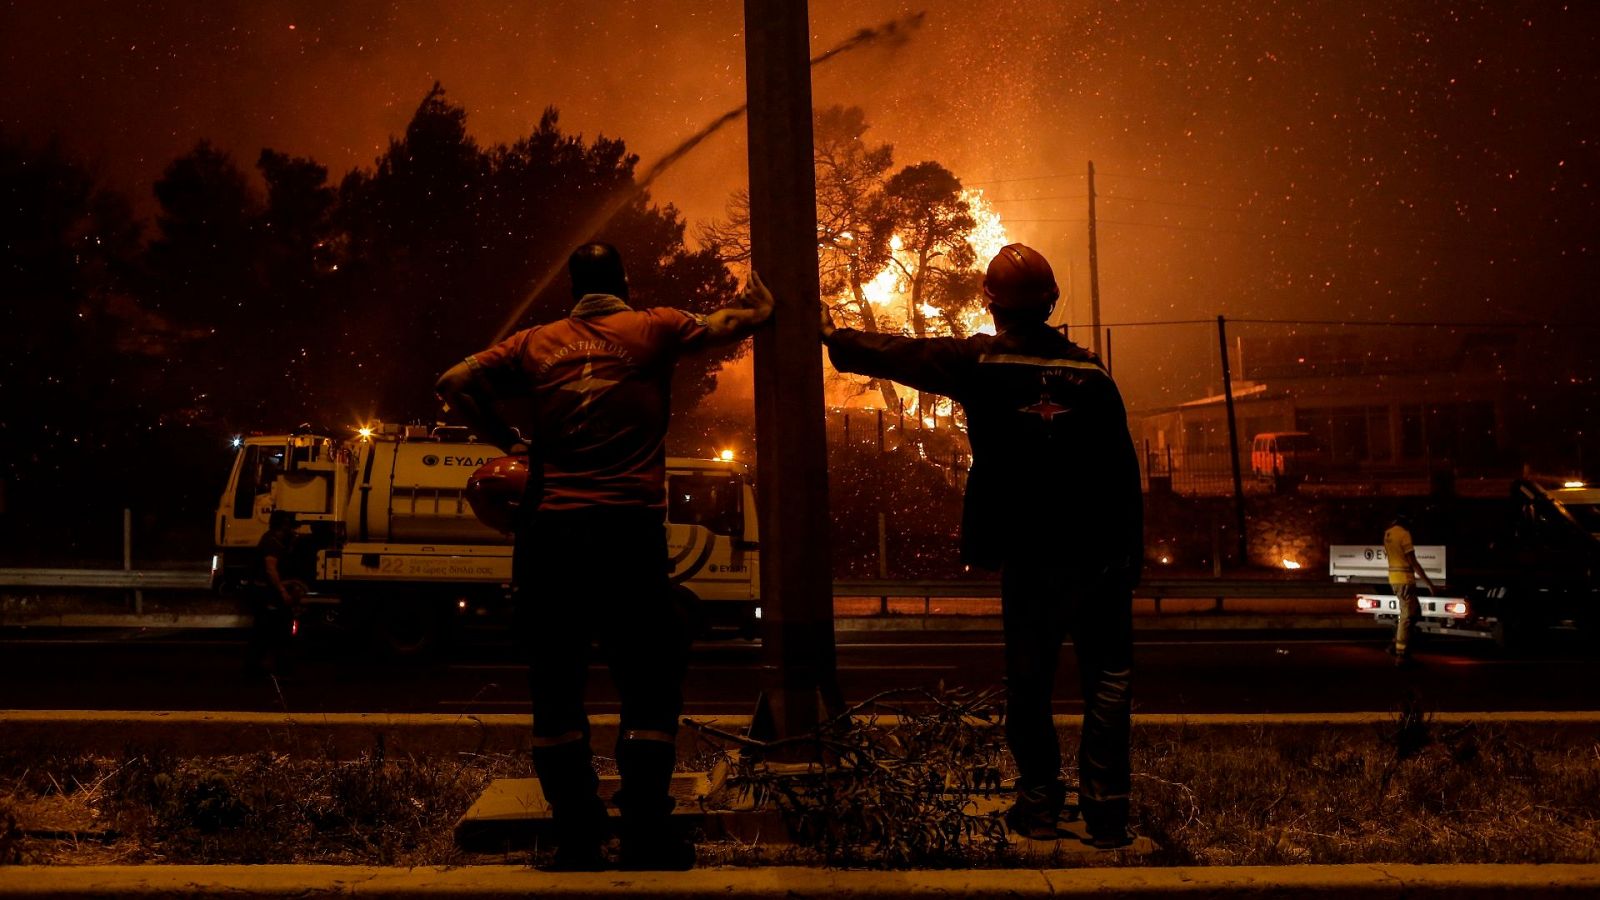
463,388
1416,566
733,323
938,365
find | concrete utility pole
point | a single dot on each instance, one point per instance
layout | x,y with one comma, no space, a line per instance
1094,269
791,443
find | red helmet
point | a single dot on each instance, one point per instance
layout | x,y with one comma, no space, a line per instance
495,491
1019,278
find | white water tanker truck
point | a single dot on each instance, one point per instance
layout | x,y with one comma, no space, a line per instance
388,543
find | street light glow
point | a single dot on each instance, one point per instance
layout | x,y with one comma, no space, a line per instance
725,456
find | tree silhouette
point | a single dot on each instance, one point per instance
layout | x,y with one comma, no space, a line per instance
82,366
853,232
933,223
443,238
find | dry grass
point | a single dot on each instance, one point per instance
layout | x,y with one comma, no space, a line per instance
262,808
1409,790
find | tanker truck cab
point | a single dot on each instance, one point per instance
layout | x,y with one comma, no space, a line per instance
300,473
712,541
389,544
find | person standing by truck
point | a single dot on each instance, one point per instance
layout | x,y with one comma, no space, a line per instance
273,595
1054,503
1403,571
590,557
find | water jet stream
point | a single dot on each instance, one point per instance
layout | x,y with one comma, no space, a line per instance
895,32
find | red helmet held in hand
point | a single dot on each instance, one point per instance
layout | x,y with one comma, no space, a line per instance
495,491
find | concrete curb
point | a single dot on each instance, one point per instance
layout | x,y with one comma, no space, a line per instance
1459,882
347,735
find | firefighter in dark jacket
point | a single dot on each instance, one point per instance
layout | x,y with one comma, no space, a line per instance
1053,502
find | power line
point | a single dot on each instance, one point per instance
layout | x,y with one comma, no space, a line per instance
1046,197
1417,324
1207,206
1228,186
1355,323
1448,239
1021,178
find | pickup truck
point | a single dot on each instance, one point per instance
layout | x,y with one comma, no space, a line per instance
1536,566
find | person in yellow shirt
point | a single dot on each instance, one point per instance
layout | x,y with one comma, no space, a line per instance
1403,572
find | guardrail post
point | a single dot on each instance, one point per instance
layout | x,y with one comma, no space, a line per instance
127,557
883,548
1216,546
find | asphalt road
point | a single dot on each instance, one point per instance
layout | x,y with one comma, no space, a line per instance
1174,673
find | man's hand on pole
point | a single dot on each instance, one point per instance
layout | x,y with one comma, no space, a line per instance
752,307
757,297
462,389
827,321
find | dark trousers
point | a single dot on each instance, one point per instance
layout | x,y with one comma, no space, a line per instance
271,630
600,575
1041,604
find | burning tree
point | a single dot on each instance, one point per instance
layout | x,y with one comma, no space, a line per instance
897,253
852,235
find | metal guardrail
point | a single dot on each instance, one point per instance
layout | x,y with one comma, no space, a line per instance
111,579
1157,588
190,580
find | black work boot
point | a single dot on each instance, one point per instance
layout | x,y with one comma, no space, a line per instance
1037,810
578,816
650,839
1107,823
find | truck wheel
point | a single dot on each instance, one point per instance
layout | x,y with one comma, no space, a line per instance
750,630
1589,632
1509,634
690,613
408,626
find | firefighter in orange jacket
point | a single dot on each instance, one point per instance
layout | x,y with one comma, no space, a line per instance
591,557
1054,503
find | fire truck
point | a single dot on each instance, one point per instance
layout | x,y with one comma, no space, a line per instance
1536,566
388,544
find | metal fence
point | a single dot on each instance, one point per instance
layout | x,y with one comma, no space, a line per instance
939,440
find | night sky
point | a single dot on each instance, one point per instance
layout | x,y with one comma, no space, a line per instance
1337,160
